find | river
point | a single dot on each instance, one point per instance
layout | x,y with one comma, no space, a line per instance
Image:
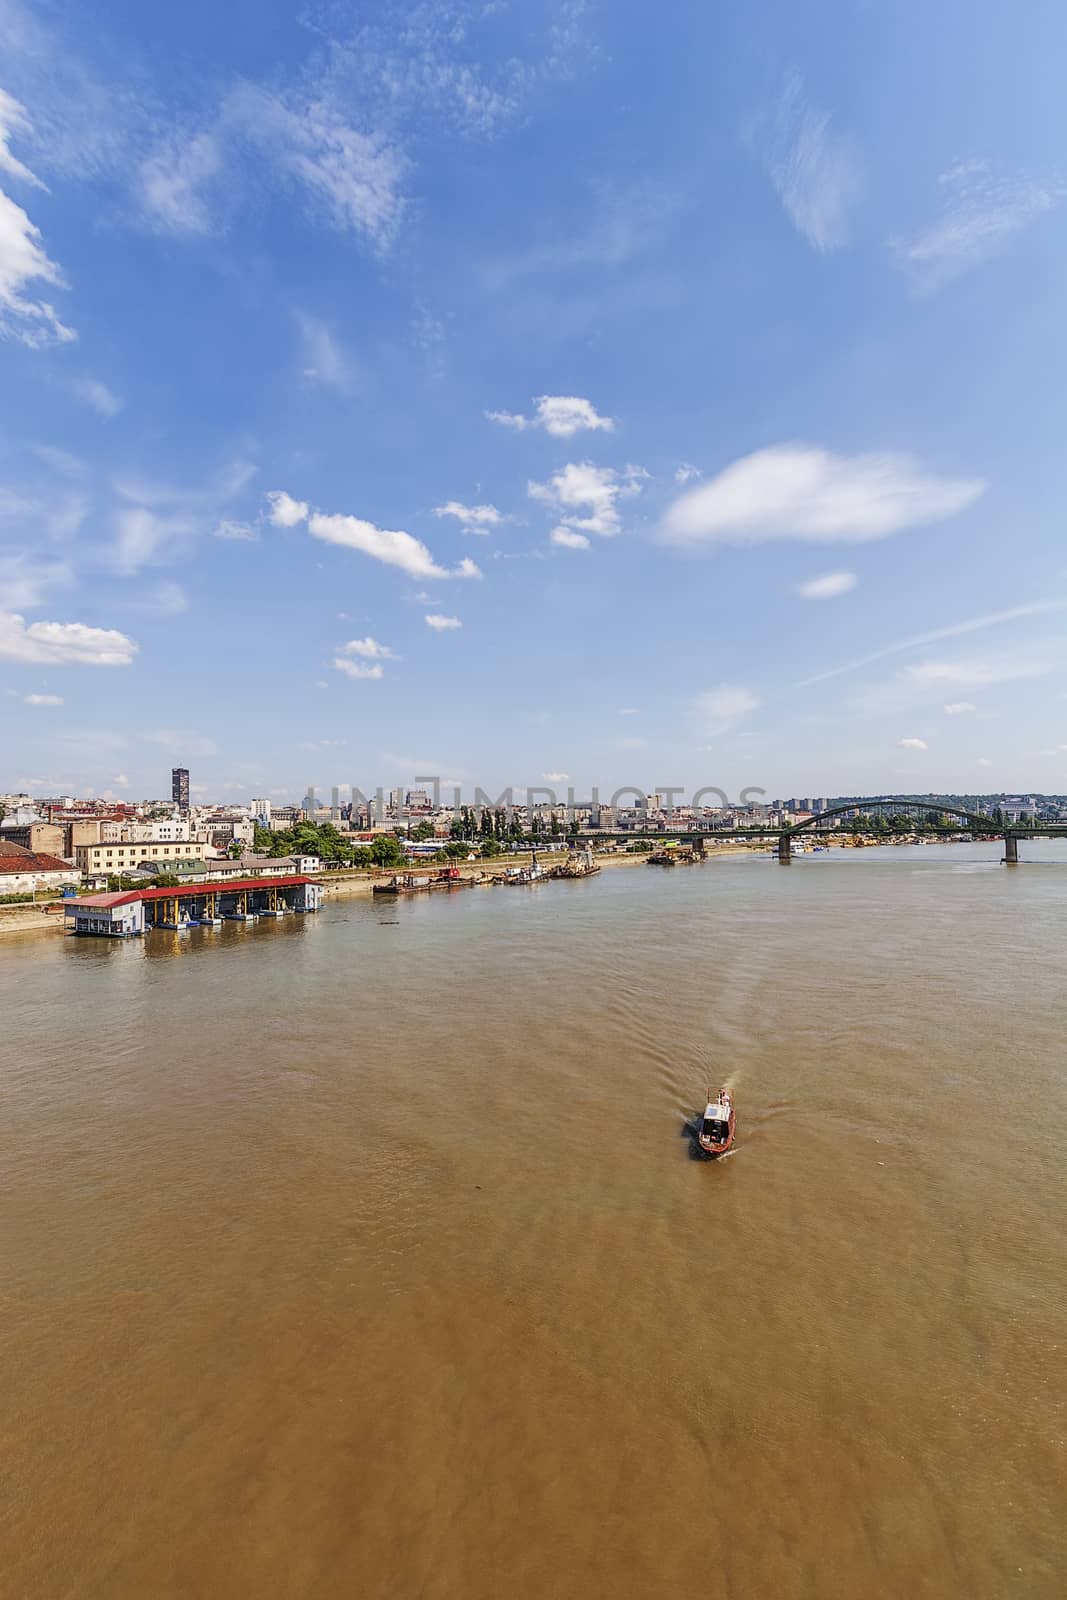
366,1253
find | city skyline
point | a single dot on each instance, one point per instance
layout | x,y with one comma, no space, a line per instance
392,398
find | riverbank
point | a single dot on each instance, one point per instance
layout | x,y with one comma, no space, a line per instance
361,880
49,918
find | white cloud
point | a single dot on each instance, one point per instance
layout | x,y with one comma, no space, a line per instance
829,586
719,708
685,473
285,512
63,644
560,415
959,708
442,624
23,262
122,782
475,519
630,711
982,210
357,669
801,492
239,532
913,744
43,699
814,171
97,396
568,538
556,777
984,761
395,548
581,486
369,649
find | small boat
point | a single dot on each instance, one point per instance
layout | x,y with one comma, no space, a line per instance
403,883
716,1133
211,922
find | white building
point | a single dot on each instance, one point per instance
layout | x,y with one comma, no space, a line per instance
27,871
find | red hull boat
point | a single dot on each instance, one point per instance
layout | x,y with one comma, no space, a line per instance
716,1133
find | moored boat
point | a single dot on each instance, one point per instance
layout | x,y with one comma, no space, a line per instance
716,1133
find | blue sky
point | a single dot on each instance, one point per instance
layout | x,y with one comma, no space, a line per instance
654,396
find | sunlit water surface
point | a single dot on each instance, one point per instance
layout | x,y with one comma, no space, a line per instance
366,1254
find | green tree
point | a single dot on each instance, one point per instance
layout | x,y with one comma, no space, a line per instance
490,848
422,831
554,826
386,850
486,823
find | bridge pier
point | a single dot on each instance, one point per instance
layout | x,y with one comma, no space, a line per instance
1011,850
785,850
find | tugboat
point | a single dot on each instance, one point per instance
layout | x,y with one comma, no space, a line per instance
716,1133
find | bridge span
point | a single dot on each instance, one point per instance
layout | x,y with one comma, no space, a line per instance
815,826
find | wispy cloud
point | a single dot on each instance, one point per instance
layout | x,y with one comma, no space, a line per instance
913,744
959,708
796,491
166,600
981,211
43,699
97,396
325,360
350,177
720,709
25,581
560,415
814,170
442,624
237,532
955,630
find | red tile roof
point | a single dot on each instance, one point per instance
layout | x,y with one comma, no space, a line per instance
30,861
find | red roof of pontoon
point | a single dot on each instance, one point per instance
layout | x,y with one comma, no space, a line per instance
217,886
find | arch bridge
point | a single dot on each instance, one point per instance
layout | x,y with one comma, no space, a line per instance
1011,833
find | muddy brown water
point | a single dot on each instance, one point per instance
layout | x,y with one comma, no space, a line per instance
367,1254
